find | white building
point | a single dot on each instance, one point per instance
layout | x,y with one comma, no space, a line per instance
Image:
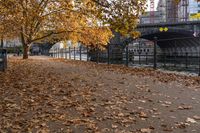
146,18
161,8
185,10
12,42
64,44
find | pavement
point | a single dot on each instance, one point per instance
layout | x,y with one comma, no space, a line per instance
42,94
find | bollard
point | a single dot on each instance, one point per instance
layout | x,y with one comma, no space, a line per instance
155,53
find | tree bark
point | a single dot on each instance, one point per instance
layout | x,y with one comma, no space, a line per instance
25,46
25,53
1,42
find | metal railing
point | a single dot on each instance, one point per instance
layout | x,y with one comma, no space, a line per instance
3,59
150,57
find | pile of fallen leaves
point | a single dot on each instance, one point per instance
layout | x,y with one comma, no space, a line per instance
45,96
147,72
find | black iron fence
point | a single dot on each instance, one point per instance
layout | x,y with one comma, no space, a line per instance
3,59
151,56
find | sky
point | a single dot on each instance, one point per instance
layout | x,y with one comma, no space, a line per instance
156,3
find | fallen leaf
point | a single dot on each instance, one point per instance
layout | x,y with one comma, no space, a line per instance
184,107
146,130
190,120
196,117
143,115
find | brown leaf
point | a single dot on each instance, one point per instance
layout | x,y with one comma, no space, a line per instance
143,115
146,130
184,107
196,117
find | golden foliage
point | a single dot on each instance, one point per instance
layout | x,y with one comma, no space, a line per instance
86,21
195,16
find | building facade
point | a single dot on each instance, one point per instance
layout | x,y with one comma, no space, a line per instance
189,10
170,11
146,18
11,43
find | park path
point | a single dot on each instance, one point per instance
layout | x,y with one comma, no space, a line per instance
54,95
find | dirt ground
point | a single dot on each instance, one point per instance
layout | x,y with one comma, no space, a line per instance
42,95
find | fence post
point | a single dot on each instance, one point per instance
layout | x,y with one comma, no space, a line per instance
74,53
139,51
155,53
69,52
6,62
87,54
65,53
186,61
139,56
97,55
175,59
164,59
127,55
80,52
146,59
56,52
53,52
199,65
61,53
108,61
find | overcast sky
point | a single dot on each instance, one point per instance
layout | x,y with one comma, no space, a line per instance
156,2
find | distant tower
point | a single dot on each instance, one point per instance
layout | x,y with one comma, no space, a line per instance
152,5
183,10
161,8
171,11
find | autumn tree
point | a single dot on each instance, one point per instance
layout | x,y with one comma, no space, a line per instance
86,21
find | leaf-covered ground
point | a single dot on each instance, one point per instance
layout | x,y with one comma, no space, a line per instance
43,95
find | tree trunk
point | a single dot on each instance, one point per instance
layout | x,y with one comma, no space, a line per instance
1,42
25,46
25,53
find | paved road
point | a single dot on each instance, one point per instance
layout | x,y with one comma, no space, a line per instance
46,95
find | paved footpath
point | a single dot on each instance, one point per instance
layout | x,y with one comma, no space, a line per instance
42,95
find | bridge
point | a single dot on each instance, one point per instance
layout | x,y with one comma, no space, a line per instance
173,28
179,36
175,25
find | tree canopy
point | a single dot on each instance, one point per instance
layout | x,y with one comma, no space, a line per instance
86,21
